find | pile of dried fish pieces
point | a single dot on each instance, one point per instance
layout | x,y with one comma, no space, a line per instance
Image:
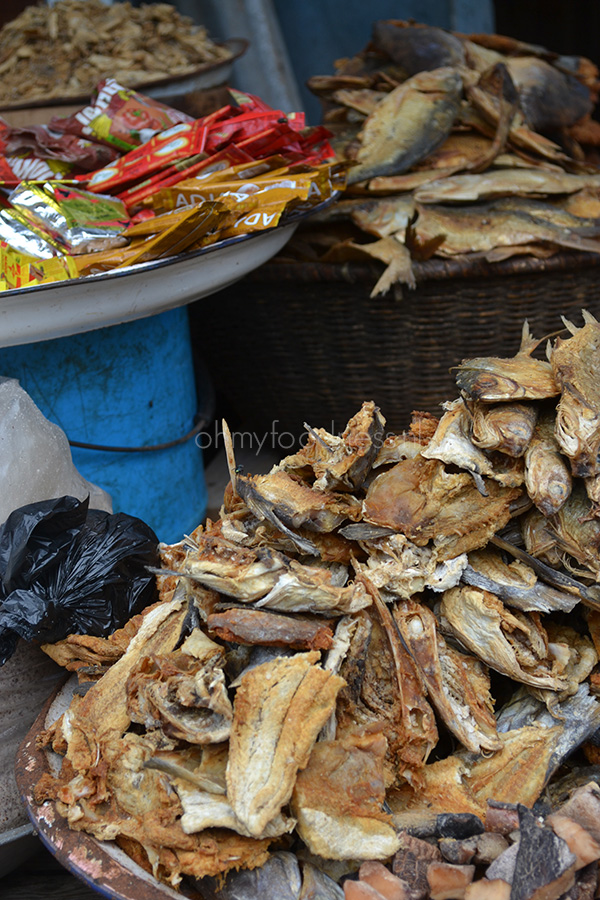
381,631
67,48
463,147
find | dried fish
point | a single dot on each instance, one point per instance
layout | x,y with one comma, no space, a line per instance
550,99
452,443
416,48
575,367
502,183
408,124
507,427
279,709
515,583
547,475
511,642
521,377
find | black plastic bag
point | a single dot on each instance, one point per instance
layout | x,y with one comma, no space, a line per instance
66,569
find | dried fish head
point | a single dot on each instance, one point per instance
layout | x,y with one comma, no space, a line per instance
547,476
511,642
578,531
576,367
506,427
452,442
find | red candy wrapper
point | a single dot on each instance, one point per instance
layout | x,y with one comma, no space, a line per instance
120,117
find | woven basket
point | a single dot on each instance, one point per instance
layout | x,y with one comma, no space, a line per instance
297,342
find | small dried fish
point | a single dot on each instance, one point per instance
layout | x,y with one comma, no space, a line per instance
576,370
502,183
408,124
521,377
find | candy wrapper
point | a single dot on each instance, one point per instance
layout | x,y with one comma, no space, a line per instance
19,270
119,117
16,232
78,219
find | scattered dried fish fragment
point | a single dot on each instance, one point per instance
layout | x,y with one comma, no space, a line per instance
510,642
396,566
547,476
313,589
241,572
338,800
253,626
576,367
515,583
408,124
458,685
452,443
578,531
520,377
202,810
279,710
341,462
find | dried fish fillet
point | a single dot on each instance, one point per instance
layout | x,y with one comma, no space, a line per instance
279,709
503,183
338,800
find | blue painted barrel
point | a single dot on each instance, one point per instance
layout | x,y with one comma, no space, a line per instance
128,385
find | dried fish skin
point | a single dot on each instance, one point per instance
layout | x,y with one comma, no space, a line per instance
397,566
512,643
458,685
515,583
417,48
341,463
423,501
576,365
412,120
452,443
521,377
338,800
547,476
186,700
279,710
506,427
576,655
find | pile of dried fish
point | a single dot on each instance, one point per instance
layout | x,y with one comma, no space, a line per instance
64,50
464,147
382,635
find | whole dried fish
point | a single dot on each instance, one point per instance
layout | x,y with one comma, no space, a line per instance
521,377
502,183
408,124
576,368
550,99
416,48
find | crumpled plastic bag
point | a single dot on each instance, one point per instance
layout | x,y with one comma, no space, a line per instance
35,457
66,569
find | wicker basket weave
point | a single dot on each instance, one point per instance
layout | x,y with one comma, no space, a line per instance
297,342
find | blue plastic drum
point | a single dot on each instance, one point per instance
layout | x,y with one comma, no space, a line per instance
130,385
